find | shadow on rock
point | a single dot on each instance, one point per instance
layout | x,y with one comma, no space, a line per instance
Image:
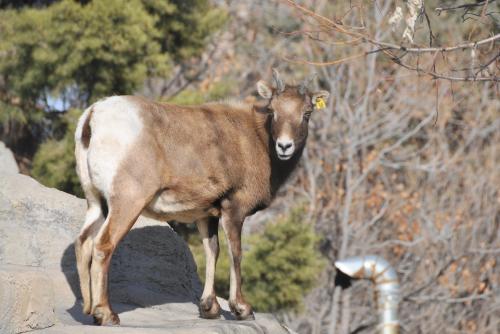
151,266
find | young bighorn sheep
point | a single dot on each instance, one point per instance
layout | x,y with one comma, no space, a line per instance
216,162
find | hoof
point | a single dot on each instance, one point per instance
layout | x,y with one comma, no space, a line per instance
242,311
106,318
86,309
209,308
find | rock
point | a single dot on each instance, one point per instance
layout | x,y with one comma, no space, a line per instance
7,162
27,300
153,282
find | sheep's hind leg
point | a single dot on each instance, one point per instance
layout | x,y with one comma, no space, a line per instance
123,212
209,307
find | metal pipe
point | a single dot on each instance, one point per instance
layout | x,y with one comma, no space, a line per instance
383,275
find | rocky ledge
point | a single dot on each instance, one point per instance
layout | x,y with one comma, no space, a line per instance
153,281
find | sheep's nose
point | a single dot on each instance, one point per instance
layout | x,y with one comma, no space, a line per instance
285,146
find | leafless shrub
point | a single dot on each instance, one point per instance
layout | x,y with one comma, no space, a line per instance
354,28
400,164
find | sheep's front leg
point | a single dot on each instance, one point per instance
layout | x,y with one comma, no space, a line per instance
94,219
209,307
232,224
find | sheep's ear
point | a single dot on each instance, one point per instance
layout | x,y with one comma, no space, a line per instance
264,90
319,99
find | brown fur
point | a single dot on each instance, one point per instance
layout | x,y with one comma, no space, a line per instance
210,162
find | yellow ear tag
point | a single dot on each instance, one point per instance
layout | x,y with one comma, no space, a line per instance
320,103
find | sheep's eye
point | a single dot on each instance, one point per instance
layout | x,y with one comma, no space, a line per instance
306,116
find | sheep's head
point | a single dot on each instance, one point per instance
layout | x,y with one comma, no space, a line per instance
290,108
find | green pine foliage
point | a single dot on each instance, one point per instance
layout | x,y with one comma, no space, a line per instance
106,47
185,24
12,113
80,51
280,264
54,163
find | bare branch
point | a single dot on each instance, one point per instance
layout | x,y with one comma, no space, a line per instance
331,26
464,6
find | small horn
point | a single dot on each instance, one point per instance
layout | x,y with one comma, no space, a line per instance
280,86
306,83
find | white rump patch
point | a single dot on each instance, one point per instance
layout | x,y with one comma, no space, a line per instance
115,126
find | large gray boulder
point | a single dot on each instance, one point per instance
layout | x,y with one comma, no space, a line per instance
153,281
7,162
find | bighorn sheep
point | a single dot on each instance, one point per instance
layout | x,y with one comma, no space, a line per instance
216,162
